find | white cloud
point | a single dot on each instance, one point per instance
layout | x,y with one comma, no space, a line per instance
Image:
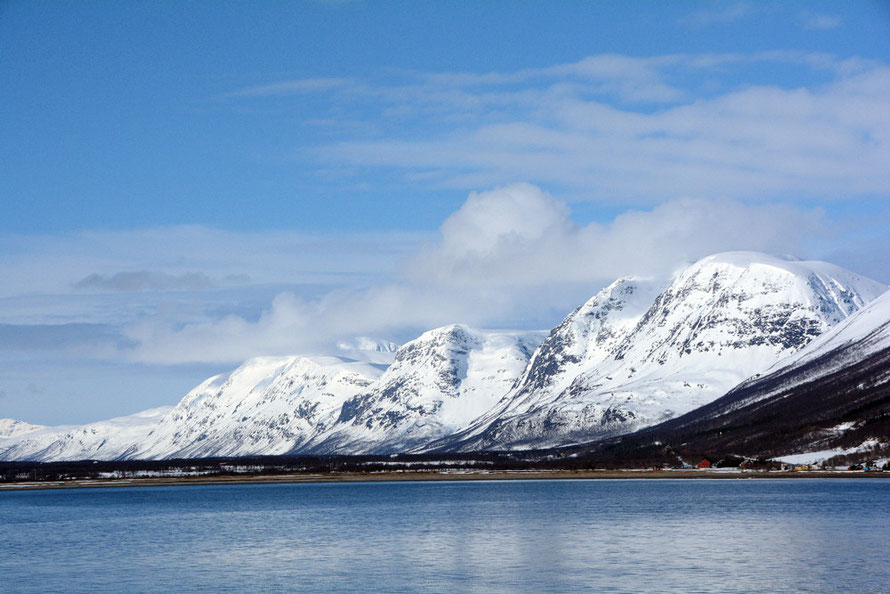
519,236
509,255
516,214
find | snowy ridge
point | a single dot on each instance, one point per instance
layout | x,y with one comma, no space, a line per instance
437,384
720,321
104,440
269,405
586,337
863,335
867,329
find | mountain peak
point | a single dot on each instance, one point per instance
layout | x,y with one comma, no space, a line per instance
719,321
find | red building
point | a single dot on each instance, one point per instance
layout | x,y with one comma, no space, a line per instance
704,464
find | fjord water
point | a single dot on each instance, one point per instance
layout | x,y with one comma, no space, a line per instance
517,536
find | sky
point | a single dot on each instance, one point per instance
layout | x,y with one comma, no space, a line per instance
185,185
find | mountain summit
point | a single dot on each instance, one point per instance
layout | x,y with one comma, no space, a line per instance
616,365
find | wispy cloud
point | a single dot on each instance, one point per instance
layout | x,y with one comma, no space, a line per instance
718,13
193,258
756,141
625,129
821,22
290,87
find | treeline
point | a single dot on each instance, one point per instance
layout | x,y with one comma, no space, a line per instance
270,465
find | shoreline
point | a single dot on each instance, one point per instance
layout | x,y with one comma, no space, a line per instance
431,476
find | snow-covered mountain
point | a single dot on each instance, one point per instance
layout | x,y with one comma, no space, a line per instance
104,440
723,319
269,405
635,354
831,396
437,385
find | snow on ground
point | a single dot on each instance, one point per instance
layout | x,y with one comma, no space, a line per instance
813,457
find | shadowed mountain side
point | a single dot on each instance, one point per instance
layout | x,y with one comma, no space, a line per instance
806,410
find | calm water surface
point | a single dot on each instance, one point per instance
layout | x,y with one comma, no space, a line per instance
523,536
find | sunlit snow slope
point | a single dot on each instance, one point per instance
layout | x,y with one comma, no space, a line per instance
104,440
438,384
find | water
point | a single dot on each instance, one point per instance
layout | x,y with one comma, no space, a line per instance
523,536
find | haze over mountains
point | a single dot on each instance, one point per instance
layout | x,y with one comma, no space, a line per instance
636,354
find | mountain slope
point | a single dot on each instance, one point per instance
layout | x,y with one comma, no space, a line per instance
834,393
437,384
721,320
269,405
586,338
104,440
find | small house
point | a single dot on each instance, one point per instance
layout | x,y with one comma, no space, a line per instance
704,464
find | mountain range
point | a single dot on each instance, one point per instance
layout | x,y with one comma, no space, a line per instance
737,330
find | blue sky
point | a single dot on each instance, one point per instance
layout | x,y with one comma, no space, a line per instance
188,184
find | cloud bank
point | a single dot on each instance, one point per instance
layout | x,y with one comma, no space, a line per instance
509,256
